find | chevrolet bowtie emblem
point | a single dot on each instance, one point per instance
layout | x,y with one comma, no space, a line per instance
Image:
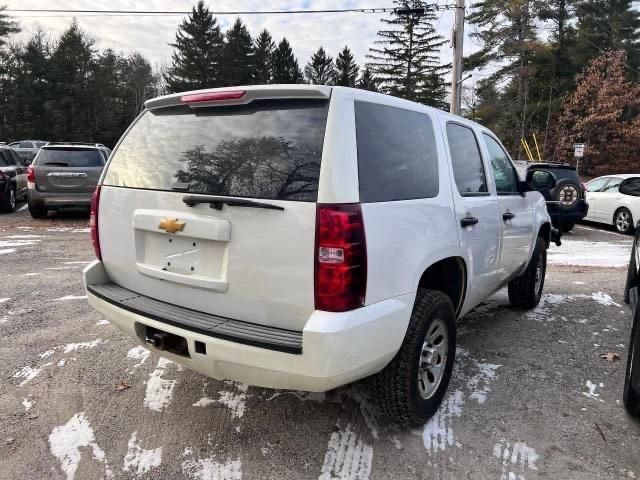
171,225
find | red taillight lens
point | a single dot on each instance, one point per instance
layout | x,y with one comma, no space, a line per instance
213,96
340,258
31,174
93,222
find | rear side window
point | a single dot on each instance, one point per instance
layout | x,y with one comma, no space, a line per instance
466,160
397,156
631,186
71,157
267,149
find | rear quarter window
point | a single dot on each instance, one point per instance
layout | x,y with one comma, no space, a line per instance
267,149
397,156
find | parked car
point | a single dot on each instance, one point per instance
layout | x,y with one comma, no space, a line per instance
13,179
631,393
64,175
615,200
306,237
27,149
561,187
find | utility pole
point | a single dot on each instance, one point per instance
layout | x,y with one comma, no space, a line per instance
456,71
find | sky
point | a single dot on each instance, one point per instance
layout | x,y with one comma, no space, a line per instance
151,35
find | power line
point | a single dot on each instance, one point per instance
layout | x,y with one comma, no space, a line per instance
28,12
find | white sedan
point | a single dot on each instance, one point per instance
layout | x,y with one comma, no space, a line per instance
614,200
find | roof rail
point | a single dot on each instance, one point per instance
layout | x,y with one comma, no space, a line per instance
75,144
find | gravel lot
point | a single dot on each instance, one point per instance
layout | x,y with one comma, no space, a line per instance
531,397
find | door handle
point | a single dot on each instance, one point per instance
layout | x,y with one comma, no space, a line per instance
508,216
468,221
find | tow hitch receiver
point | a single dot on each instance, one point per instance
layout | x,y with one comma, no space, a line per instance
169,342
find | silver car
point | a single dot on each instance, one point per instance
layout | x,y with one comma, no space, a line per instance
64,175
27,149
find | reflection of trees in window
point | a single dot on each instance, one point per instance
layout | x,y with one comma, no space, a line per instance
264,167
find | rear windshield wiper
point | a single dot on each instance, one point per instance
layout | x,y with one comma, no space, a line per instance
218,202
58,164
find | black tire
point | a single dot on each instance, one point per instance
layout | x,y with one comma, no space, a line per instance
632,277
631,396
524,292
557,193
37,211
566,227
397,389
8,205
620,226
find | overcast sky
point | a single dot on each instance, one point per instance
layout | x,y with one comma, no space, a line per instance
151,35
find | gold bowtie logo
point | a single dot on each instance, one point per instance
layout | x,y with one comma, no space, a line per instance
171,225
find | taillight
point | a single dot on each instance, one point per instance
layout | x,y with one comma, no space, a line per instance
31,174
213,96
340,258
93,222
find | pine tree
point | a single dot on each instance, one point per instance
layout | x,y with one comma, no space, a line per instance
198,49
320,70
263,58
368,81
7,26
406,56
346,69
285,65
238,55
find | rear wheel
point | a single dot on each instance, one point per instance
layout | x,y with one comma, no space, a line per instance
566,226
8,205
37,211
525,291
411,388
623,221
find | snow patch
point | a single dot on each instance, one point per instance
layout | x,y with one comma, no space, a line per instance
66,441
347,456
103,322
70,297
236,401
46,354
32,274
29,373
209,469
27,404
140,460
72,347
17,243
592,389
159,390
590,253
24,236
2,300
7,250
438,434
480,383
138,353
516,458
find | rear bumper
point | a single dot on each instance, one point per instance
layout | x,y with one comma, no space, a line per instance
58,199
337,348
573,215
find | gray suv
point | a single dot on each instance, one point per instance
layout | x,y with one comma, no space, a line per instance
27,149
64,175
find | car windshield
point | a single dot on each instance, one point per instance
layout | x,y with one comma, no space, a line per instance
22,145
70,157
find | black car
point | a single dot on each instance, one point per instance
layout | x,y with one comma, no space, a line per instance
631,395
560,185
13,179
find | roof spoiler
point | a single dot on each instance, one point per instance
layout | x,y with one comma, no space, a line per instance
239,95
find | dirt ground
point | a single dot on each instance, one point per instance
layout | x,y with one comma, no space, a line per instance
531,397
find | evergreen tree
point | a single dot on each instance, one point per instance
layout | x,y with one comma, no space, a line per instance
368,81
198,48
346,69
406,56
320,70
607,24
7,26
238,55
263,58
285,65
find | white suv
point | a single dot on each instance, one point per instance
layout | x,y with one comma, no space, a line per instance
305,237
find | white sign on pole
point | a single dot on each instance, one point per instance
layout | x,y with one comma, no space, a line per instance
578,150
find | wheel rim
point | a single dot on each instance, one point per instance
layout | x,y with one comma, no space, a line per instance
433,358
539,273
12,199
623,221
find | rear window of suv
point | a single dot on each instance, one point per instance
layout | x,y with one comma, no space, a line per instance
267,149
70,157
